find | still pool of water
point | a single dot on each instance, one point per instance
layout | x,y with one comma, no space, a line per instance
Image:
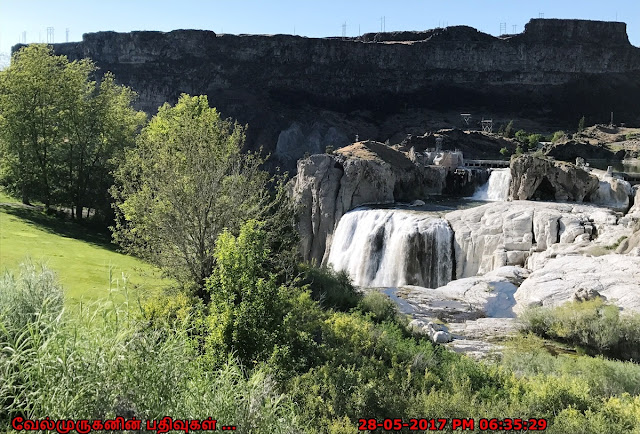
629,166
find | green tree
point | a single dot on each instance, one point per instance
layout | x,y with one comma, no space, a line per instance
504,151
508,131
183,183
522,136
534,140
59,129
581,124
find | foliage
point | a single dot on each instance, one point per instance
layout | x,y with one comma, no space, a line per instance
504,151
558,136
183,183
379,306
333,290
518,151
522,136
60,129
581,124
507,131
533,140
593,325
101,362
247,306
632,136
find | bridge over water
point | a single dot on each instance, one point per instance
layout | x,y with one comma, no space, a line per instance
487,163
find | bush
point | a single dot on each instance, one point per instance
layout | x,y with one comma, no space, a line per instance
581,124
558,136
333,290
102,362
522,136
594,325
379,306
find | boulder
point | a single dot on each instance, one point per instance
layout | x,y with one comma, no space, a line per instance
545,179
562,279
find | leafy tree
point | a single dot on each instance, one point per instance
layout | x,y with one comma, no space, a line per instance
534,140
59,129
581,124
522,136
504,151
183,183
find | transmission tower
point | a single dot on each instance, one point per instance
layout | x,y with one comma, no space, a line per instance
24,37
67,34
344,30
540,14
50,38
383,24
515,26
503,28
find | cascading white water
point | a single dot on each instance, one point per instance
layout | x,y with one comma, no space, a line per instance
497,188
391,247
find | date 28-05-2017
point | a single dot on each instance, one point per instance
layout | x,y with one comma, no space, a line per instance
507,424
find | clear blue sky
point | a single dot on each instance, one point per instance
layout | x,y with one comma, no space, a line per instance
308,18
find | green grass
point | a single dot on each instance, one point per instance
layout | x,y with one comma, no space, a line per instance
88,266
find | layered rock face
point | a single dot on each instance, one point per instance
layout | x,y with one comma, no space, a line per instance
570,67
515,233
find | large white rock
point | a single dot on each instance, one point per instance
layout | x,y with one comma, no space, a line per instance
612,192
508,233
469,298
616,277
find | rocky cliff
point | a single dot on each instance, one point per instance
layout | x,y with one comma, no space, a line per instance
327,186
564,68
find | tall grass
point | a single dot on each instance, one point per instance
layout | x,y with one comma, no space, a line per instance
103,360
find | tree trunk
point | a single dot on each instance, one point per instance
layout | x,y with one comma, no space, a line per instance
79,209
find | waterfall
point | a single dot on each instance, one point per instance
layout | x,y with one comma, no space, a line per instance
390,247
497,188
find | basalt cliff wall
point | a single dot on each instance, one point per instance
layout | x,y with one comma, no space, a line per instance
299,94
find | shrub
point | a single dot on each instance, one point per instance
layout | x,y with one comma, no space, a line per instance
379,306
558,136
581,124
102,362
522,136
333,290
594,325
508,130
534,140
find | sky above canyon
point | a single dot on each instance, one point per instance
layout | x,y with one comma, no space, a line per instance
302,17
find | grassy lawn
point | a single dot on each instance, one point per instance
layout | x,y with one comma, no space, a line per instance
83,259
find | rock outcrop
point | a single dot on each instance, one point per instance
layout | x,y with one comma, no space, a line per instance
545,179
327,186
516,233
560,68
616,277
